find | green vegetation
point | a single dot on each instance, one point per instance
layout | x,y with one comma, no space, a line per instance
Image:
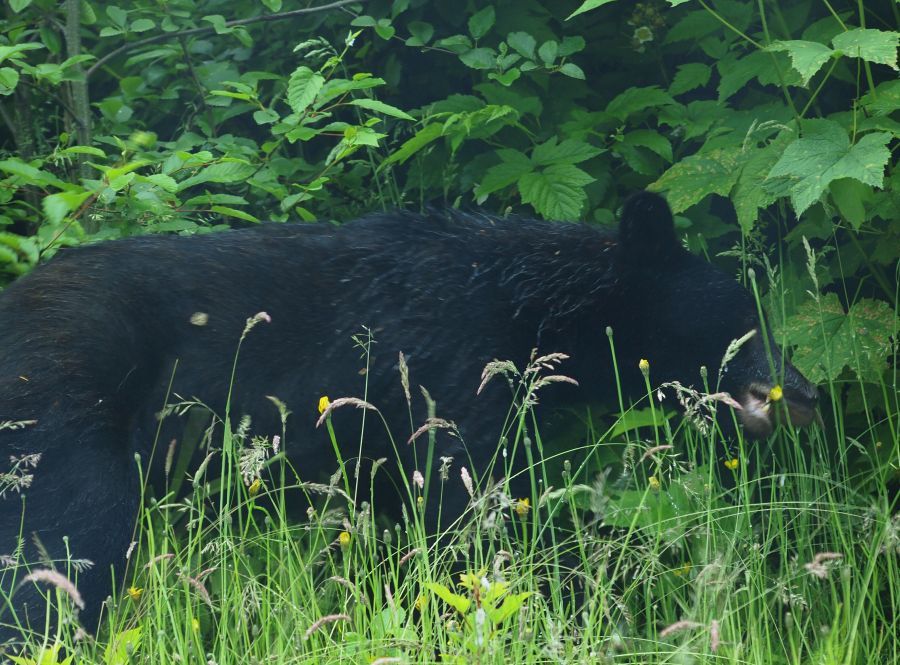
769,126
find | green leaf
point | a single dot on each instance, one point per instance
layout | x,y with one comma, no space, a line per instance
849,196
507,78
547,52
165,182
481,22
459,603
421,33
572,71
422,138
556,192
222,172
57,206
885,99
749,194
650,139
381,107
13,51
807,58
232,212
9,79
502,175
829,339
117,15
570,45
479,58
587,6
123,647
142,25
634,100
878,46
522,43
32,175
18,5
690,77
695,177
570,151
636,418
335,88
824,154
303,87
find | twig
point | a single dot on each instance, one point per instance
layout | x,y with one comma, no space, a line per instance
228,24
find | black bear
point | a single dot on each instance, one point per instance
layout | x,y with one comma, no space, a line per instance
88,343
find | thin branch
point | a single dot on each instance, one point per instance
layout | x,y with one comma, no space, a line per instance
228,24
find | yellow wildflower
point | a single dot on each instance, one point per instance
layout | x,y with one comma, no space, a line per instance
254,488
421,602
135,592
522,507
644,366
776,393
195,624
344,539
732,464
324,403
654,483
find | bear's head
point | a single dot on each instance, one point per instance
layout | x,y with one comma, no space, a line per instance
689,314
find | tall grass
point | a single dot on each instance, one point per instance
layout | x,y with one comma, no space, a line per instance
643,540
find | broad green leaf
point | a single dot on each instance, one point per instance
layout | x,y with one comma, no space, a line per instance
570,151
878,46
57,206
637,418
337,87
885,99
849,196
223,172
421,33
507,78
828,339
824,154
165,182
547,52
142,25
587,6
523,43
502,175
556,192
690,77
9,79
381,107
807,58
422,138
481,22
459,603
749,195
570,45
31,174
572,71
118,15
735,74
694,178
12,51
18,5
303,87
634,100
123,647
478,58
650,139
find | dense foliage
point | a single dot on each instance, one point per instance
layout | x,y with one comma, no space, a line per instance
770,126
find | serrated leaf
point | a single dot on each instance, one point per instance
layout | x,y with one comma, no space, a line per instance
690,77
336,87
806,57
829,339
481,22
523,43
650,139
696,177
878,46
749,195
885,99
824,154
165,182
849,196
507,78
587,6
222,172
556,192
502,175
303,87
638,99
381,107
570,151
32,175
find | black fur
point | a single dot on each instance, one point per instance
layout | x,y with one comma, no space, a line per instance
88,343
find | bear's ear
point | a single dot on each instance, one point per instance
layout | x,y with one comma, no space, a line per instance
647,228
